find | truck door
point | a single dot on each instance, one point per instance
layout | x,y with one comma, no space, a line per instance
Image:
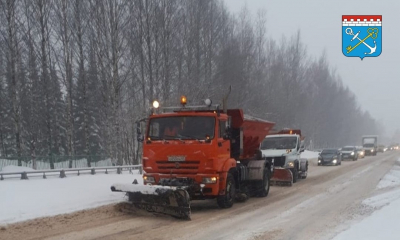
223,145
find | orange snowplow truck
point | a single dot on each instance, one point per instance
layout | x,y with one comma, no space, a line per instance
200,152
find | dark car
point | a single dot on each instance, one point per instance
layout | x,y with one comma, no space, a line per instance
349,152
329,156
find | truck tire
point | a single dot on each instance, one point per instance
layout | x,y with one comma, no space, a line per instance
305,172
264,186
227,200
295,174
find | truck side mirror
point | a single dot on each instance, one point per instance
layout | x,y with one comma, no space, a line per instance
139,132
227,134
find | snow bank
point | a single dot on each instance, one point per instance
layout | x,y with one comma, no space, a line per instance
24,200
392,178
309,154
383,223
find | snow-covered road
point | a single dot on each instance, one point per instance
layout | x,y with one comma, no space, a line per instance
333,202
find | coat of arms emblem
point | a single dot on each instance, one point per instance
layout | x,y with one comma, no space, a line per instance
362,35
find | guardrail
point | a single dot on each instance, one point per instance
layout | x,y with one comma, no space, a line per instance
24,174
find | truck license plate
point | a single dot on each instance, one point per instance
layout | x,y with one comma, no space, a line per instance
176,158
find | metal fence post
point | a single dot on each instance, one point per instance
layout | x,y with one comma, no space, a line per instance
24,176
62,174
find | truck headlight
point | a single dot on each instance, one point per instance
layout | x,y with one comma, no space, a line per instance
207,180
319,160
352,153
148,179
372,150
290,164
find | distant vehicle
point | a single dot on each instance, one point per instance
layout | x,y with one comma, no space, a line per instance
360,152
381,148
329,156
370,144
349,152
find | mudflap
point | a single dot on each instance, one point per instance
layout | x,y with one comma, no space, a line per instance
282,177
171,201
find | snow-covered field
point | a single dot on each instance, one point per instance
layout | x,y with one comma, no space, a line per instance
383,222
27,199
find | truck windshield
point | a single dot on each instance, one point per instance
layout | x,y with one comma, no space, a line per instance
182,127
279,143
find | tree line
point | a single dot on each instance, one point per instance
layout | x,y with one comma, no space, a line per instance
75,75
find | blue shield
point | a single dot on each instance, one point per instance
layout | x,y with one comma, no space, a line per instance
362,35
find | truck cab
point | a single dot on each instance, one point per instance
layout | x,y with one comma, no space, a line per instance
284,149
370,144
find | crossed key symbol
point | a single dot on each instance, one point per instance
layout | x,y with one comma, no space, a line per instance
372,33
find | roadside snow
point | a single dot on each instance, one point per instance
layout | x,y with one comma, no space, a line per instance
78,163
383,223
12,168
392,178
28,199
309,154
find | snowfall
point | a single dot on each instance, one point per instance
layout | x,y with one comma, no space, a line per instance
22,200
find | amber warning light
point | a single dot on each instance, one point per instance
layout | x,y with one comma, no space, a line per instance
183,100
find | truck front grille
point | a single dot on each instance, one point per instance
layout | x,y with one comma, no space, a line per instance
186,165
278,161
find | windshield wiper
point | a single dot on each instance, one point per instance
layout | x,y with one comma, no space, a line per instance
187,137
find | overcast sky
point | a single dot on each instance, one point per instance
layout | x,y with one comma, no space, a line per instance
375,80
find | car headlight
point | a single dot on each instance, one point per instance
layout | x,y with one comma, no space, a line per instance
372,150
290,164
319,160
334,161
352,153
148,179
208,180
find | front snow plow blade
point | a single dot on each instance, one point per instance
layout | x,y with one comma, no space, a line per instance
159,199
282,176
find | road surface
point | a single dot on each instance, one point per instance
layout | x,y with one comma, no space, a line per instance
319,207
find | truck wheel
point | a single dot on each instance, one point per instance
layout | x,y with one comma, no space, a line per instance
295,174
264,186
226,200
305,172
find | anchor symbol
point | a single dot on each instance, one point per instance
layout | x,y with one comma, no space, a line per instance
372,32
